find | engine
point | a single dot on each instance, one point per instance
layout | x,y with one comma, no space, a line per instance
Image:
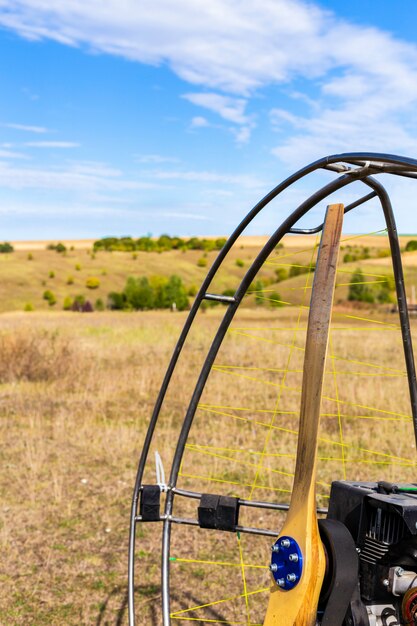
382,520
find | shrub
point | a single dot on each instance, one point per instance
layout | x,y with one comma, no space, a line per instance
385,252
70,280
281,274
58,247
49,297
68,302
297,270
275,299
411,246
192,291
92,282
30,256
240,263
51,274
81,305
35,356
116,301
28,307
384,296
202,262
257,289
358,290
6,247
78,267
99,305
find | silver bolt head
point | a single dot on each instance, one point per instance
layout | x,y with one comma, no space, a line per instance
399,571
285,543
385,582
291,578
275,547
273,567
281,582
293,557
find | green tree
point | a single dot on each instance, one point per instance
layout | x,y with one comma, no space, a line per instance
173,292
358,290
139,294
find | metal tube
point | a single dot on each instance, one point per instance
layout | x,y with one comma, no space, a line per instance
349,207
224,325
401,166
401,295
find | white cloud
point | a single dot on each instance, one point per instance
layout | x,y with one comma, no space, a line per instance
246,181
29,129
230,109
10,154
71,178
155,158
365,79
199,122
52,144
188,216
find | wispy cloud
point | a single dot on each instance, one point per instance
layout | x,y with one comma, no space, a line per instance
155,158
75,178
199,122
242,180
26,128
11,154
229,108
52,144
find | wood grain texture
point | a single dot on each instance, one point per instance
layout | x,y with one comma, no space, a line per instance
298,607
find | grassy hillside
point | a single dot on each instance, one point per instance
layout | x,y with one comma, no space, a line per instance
31,269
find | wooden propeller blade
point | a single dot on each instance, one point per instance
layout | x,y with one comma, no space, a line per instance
298,606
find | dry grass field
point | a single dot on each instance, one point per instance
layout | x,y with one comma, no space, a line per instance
77,391
76,395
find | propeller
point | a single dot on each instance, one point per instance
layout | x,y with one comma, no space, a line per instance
298,559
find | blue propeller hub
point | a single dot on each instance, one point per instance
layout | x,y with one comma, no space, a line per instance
286,563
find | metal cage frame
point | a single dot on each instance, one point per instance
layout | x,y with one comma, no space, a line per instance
349,168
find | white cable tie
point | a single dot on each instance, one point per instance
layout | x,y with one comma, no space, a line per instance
160,473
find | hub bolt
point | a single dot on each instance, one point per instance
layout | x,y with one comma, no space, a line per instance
273,567
281,582
293,557
285,543
275,547
291,578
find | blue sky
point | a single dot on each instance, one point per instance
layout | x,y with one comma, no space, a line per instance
124,117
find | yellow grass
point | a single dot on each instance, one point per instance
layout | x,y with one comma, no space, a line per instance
71,440
77,391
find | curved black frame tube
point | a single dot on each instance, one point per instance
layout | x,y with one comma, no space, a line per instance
401,295
371,162
317,197
349,207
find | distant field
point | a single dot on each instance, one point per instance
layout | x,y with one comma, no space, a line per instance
27,273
